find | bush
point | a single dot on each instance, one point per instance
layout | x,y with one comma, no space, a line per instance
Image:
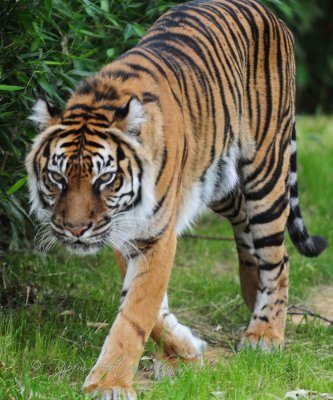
311,23
49,46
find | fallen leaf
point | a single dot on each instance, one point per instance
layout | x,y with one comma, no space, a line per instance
68,312
98,325
307,394
218,395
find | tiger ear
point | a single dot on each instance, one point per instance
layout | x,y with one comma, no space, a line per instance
131,116
44,114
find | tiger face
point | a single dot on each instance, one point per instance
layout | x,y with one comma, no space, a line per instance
85,173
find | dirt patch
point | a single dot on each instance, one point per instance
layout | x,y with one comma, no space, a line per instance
225,267
320,302
145,377
214,355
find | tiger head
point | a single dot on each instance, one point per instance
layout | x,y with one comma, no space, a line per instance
86,171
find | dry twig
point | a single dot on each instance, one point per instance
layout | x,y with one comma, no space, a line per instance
299,310
204,237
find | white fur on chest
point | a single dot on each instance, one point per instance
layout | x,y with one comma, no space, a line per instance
219,180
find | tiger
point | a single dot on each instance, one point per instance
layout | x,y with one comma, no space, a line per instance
199,115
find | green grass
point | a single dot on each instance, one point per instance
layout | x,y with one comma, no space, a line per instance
46,347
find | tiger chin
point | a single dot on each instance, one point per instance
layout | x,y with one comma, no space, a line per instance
200,114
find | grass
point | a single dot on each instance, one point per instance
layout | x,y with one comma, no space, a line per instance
47,348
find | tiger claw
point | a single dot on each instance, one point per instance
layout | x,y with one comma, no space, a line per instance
114,393
264,342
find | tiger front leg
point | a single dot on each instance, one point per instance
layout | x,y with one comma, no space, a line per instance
175,342
147,278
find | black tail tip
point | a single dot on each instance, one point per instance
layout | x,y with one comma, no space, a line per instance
313,246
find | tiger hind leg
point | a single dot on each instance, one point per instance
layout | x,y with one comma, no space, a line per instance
266,191
232,207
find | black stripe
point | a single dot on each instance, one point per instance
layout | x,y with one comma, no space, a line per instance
143,53
140,68
80,106
273,240
149,97
268,266
69,144
269,186
94,144
272,213
121,74
163,163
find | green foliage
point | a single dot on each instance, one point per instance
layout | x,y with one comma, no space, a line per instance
311,23
49,46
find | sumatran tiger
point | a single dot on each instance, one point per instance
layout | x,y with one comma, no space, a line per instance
200,114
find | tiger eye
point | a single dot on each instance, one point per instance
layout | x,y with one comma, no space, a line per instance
106,177
57,177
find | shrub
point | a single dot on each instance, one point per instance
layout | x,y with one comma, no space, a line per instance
49,47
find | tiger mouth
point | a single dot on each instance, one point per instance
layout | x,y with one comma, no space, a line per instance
82,248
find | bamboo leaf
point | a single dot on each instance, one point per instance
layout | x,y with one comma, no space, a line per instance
10,88
48,7
17,185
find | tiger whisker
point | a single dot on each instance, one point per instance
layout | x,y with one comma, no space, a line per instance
135,248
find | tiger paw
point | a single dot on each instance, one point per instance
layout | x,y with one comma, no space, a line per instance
111,393
169,366
262,338
179,346
100,389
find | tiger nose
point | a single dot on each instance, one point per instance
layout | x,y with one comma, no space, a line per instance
77,230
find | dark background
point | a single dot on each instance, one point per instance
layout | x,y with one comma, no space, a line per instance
49,46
